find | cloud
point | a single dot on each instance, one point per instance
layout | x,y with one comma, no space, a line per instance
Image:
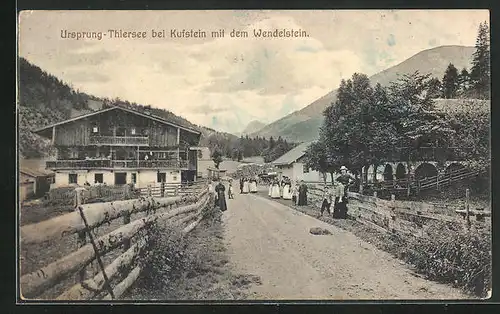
225,83
85,76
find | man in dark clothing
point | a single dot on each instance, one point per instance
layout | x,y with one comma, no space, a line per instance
241,185
302,194
221,198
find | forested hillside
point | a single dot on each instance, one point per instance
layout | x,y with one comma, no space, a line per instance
44,99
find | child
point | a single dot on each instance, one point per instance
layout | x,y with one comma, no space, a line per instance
327,200
230,190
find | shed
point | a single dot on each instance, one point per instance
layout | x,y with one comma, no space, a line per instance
34,182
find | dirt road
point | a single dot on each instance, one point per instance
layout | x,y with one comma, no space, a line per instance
272,241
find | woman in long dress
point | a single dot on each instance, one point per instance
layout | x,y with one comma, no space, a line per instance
287,195
221,198
246,186
302,194
270,188
275,193
340,204
253,186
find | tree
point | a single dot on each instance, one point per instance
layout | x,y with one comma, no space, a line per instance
418,124
480,71
435,88
316,158
450,82
345,131
463,82
217,157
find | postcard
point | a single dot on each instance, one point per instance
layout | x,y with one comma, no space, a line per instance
237,155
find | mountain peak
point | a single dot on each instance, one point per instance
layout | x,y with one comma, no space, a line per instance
303,125
252,127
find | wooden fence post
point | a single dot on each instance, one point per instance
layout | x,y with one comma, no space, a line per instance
126,220
81,235
393,214
149,190
467,217
162,189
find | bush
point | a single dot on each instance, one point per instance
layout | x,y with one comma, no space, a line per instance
452,255
169,254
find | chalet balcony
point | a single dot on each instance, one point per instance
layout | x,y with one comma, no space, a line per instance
112,164
119,140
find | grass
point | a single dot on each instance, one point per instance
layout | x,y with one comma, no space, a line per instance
40,211
191,267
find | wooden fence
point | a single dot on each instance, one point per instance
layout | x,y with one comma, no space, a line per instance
129,241
403,217
65,195
172,189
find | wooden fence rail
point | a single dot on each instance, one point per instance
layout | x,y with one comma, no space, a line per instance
403,217
157,209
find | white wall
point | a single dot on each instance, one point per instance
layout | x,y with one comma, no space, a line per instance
287,171
203,165
144,177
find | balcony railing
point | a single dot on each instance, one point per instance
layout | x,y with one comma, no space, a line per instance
430,154
119,140
106,163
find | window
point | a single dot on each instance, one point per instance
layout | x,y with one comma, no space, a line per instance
120,178
95,129
132,131
73,178
98,178
73,153
161,177
305,169
134,178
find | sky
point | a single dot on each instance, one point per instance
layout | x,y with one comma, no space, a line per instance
226,82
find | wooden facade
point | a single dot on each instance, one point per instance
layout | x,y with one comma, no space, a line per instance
123,140
117,124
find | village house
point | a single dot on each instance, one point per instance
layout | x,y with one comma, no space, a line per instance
292,165
117,146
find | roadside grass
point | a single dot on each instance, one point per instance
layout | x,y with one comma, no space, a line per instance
191,267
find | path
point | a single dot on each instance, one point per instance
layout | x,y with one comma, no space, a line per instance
272,241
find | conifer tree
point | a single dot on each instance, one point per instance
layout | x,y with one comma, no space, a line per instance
480,71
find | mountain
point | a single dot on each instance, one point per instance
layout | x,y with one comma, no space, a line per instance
252,127
44,99
303,125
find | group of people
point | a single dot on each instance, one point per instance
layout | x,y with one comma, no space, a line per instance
248,185
287,190
297,192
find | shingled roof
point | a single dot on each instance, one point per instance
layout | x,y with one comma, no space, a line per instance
292,155
149,116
